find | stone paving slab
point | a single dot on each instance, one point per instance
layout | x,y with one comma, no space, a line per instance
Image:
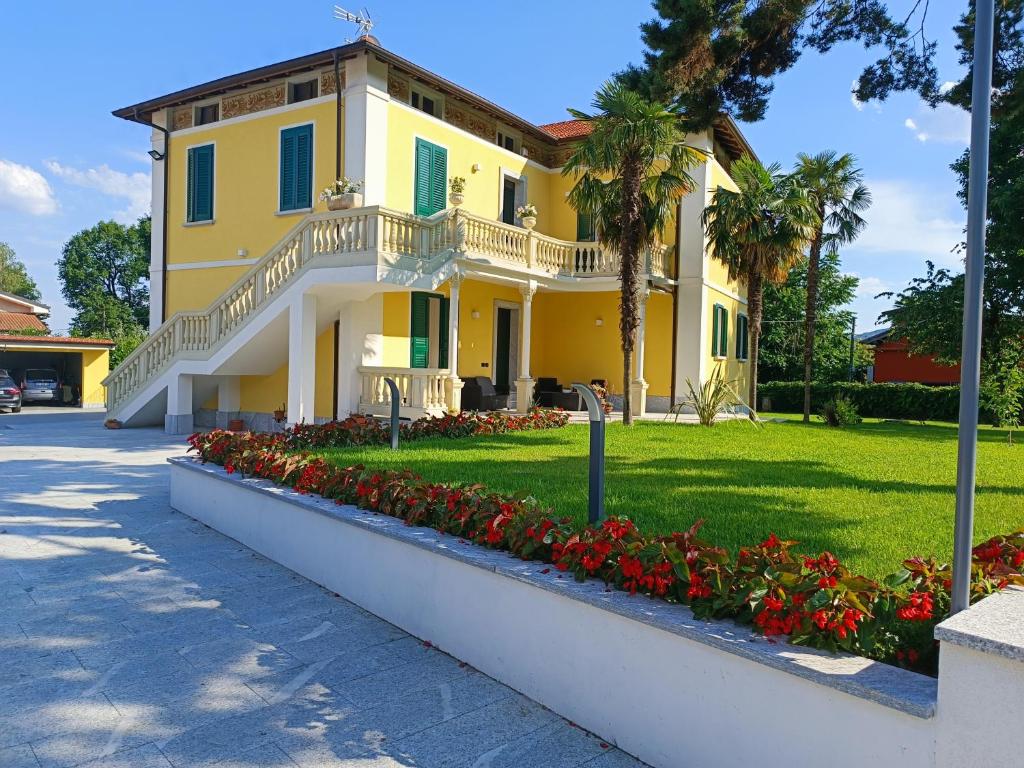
135,637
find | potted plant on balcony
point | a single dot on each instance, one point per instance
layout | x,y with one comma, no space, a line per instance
456,190
280,414
528,215
343,194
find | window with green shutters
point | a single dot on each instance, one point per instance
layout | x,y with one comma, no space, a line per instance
420,331
200,184
296,168
431,178
585,230
719,331
742,337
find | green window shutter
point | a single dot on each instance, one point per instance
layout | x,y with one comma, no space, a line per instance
419,332
296,168
585,227
723,343
716,319
442,335
431,178
200,183
438,179
742,325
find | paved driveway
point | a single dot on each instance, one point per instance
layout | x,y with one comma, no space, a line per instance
131,635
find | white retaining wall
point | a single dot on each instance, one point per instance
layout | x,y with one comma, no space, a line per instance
641,673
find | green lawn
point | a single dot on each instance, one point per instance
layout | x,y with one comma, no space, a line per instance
873,494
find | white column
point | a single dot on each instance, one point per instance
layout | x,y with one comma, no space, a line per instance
229,400
366,125
156,240
301,359
638,387
524,384
178,420
453,384
691,299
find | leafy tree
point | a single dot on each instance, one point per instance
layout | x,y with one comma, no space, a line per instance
103,273
759,232
929,311
783,326
630,172
720,56
14,278
834,186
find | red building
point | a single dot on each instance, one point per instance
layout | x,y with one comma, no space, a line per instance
894,363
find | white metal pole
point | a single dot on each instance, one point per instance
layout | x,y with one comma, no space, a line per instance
974,285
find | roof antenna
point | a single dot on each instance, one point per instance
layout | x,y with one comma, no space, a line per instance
362,19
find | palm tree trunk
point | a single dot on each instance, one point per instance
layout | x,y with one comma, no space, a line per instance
811,317
755,305
629,274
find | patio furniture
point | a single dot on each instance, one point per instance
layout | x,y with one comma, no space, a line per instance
479,394
550,394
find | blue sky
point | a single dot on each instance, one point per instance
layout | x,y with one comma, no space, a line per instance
66,163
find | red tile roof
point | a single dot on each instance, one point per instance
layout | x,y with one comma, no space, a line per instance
20,321
56,340
567,129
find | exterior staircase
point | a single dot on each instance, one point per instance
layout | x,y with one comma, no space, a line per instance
371,236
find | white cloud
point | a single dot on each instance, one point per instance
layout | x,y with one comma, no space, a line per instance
24,190
858,104
945,124
908,219
871,286
133,187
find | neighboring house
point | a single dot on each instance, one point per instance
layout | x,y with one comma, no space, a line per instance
895,363
260,297
25,344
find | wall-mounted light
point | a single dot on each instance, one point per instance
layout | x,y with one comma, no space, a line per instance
156,155
598,322
475,168
242,253
475,314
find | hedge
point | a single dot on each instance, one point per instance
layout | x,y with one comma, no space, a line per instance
915,402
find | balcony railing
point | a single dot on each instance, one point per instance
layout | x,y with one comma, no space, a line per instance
422,391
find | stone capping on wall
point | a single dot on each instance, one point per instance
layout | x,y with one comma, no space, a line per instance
873,681
991,626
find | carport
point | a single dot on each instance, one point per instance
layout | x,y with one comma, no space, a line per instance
80,363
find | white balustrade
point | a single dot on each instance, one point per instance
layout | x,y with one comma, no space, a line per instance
421,390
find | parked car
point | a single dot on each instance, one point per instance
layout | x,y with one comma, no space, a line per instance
40,385
10,394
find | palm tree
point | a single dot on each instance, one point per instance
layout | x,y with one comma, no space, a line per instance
759,231
834,187
630,172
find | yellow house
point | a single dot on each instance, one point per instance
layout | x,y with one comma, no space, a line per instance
263,299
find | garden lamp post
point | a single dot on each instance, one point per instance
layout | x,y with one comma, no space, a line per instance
395,403
974,286
595,503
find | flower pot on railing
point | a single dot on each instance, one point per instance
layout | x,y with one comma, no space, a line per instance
529,221
345,201
456,198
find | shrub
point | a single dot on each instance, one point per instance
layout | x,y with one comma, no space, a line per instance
367,430
710,399
915,402
840,412
814,601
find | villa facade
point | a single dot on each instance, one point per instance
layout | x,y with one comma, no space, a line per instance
263,300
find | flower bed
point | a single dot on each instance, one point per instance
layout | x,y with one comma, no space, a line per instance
367,430
813,601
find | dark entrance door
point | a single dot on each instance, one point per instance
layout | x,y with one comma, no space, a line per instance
503,351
